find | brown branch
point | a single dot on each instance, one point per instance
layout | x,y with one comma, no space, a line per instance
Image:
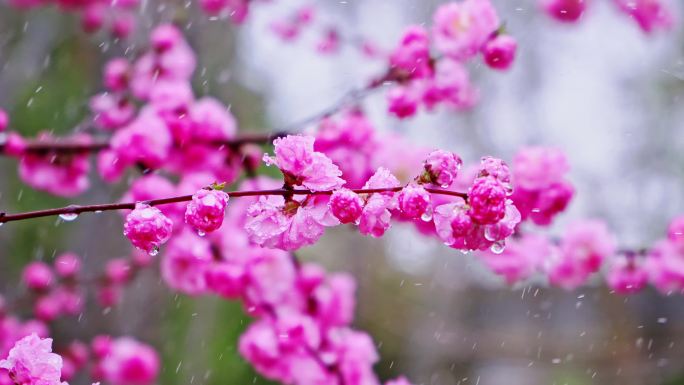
70,147
78,209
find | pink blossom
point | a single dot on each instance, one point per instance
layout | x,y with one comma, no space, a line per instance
649,14
111,111
4,120
147,228
487,200
568,11
206,210
109,166
185,263
496,168
226,279
451,85
129,362
146,140
350,141
414,201
521,258
63,175
458,230
441,168
67,265
31,362
274,223
413,52
211,120
403,101
626,274
583,249
329,43
346,205
14,144
538,167
93,17
296,158
376,215
334,300
541,206
259,346
286,30
665,266
154,186
37,276
116,74
675,231
499,52
461,28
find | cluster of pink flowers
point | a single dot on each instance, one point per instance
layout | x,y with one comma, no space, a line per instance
55,289
172,130
587,247
460,31
59,174
123,361
291,28
650,15
488,216
665,261
541,190
118,16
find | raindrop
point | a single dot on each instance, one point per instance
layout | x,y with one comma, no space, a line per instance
498,247
427,215
491,233
68,217
154,251
201,233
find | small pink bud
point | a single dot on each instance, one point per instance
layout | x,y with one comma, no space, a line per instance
47,308
487,199
402,102
15,145
92,18
499,52
206,210
4,120
37,276
118,271
101,345
414,201
441,168
165,37
67,265
346,205
147,228
116,74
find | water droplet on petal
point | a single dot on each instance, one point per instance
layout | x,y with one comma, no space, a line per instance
427,215
491,233
154,251
201,233
498,247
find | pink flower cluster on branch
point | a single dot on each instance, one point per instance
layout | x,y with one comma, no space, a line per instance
460,31
123,361
650,15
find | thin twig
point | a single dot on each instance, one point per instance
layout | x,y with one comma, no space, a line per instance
79,209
